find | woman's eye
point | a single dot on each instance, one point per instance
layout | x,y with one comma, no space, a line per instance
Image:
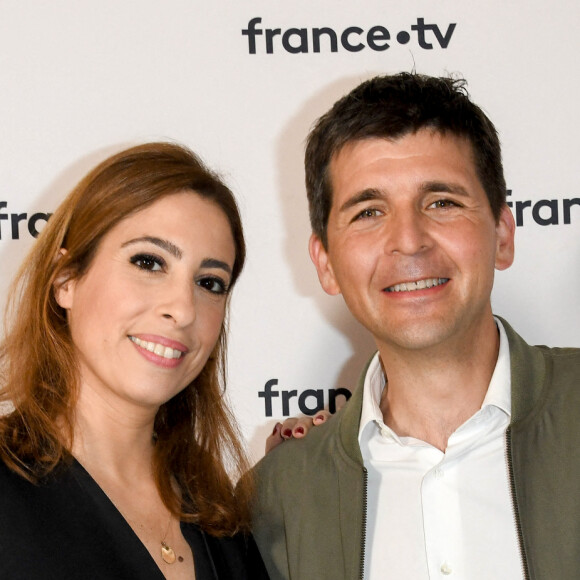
148,262
213,285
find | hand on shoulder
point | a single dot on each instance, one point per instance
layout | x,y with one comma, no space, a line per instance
294,428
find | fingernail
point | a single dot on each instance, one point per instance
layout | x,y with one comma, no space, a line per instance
318,418
299,430
276,427
287,433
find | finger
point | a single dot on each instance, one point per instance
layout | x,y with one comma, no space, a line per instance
304,424
288,426
321,417
275,438
301,427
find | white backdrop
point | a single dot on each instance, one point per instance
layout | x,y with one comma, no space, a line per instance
81,80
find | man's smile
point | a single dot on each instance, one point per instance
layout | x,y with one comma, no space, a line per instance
417,285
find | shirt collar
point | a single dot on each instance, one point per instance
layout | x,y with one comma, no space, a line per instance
373,388
498,393
499,390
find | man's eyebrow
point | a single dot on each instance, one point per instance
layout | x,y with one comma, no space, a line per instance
364,195
371,193
163,244
213,263
443,187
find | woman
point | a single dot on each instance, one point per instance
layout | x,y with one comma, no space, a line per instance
114,457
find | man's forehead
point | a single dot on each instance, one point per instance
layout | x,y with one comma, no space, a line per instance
354,154
346,148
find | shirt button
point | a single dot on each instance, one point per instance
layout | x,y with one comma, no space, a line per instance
439,473
446,569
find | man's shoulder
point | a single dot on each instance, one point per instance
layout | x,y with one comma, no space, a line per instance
334,441
563,353
300,491
521,350
561,371
297,455
563,366
555,355
541,374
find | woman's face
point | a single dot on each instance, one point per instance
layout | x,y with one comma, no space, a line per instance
147,313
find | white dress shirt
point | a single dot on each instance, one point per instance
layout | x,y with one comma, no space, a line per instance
440,515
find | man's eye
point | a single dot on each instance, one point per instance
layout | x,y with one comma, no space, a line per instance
367,213
213,285
443,204
148,262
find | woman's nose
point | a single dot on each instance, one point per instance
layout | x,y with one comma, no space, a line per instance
178,303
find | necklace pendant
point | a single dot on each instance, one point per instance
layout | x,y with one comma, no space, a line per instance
167,553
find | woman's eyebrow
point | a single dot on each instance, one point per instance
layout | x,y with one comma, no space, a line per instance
213,263
164,244
175,251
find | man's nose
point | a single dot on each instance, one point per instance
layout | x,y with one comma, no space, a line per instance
407,233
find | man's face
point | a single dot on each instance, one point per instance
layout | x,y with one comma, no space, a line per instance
412,242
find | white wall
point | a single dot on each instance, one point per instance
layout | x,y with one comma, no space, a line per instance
80,80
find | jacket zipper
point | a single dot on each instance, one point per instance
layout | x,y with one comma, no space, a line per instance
364,523
508,441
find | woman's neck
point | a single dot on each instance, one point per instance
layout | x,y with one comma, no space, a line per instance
116,437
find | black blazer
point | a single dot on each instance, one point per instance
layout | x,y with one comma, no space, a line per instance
67,528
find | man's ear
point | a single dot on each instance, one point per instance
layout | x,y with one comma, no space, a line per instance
505,233
321,261
64,286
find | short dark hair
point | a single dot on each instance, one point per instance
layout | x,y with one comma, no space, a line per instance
393,106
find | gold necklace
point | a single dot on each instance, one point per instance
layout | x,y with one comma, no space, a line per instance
167,552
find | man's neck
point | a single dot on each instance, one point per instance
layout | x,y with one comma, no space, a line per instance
430,393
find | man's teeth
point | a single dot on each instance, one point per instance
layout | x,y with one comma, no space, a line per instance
418,285
159,349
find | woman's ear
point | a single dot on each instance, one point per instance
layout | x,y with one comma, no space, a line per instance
64,285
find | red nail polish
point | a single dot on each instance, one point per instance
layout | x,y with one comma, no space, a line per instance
275,428
287,433
300,430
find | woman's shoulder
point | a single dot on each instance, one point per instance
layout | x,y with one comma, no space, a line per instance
13,485
27,500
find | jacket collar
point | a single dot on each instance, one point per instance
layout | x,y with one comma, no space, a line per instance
528,372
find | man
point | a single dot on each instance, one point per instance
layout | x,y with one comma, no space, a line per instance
458,453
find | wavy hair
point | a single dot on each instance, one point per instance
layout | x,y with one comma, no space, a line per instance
197,440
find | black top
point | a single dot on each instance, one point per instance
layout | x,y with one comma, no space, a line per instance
67,528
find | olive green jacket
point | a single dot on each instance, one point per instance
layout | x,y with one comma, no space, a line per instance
311,505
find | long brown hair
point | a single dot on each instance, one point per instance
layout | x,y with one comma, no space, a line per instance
197,441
